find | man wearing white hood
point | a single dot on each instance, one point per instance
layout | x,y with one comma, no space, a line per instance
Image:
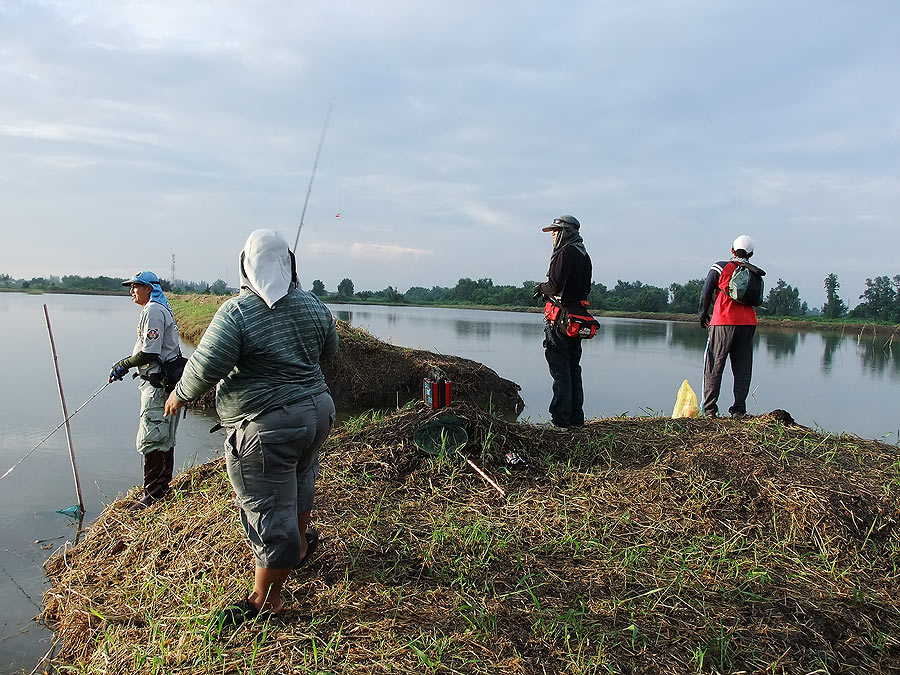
264,349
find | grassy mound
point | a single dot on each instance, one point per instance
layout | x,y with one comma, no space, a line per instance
632,545
368,373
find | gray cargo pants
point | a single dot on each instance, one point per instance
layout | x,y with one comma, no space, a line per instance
736,343
272,463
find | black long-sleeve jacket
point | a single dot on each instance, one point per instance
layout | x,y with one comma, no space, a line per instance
569,278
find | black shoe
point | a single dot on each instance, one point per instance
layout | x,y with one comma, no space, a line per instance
236,614
738,415
146,501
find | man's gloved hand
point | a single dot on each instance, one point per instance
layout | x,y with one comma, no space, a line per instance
537,292
117,372
704,322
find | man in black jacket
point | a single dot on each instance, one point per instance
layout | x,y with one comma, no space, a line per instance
567,286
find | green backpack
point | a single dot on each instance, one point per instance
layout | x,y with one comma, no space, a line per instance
746,285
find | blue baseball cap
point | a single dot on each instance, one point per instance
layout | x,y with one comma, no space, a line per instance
146,278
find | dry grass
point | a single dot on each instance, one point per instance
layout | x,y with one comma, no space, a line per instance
633,545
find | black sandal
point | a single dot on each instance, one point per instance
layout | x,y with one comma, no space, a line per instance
312,541
238,613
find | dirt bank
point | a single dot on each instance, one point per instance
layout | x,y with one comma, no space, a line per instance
368,373
630,546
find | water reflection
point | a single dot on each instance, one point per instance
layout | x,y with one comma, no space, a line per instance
689,336
880,356
780,344
480,330
527,327
633,333
831,343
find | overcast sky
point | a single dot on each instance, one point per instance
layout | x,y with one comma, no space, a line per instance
132,131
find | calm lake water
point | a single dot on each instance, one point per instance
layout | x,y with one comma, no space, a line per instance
91,333
632,366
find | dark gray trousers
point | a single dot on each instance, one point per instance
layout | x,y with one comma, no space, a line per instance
272,463
563,356
736,343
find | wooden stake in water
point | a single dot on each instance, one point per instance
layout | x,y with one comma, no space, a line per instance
62,400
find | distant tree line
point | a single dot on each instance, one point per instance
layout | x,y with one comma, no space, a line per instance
880,301
101,284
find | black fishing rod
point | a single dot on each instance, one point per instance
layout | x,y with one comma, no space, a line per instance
313,174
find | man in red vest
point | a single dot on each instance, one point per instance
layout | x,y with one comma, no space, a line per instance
731,330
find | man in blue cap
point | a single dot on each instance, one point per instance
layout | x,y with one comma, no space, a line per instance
157,342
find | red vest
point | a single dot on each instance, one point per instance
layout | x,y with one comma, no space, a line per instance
727,312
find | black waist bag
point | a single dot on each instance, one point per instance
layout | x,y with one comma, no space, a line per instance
170,372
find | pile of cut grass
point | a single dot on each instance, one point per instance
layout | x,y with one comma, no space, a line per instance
633,545
368,373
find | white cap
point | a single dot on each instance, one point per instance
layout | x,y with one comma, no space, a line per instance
743,242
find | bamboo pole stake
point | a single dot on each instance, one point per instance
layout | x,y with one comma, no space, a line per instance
481,473
62,400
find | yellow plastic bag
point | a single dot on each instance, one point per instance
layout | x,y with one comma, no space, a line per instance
686,402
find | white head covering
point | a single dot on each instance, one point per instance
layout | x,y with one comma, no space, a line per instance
266,266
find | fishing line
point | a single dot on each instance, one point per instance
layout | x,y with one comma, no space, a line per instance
43,440
313,174
19,586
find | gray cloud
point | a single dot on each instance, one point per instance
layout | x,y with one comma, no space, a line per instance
132,131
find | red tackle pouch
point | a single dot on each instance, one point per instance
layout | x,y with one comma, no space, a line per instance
581,326
551,312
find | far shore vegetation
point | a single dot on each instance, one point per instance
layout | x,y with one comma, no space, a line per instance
879,304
